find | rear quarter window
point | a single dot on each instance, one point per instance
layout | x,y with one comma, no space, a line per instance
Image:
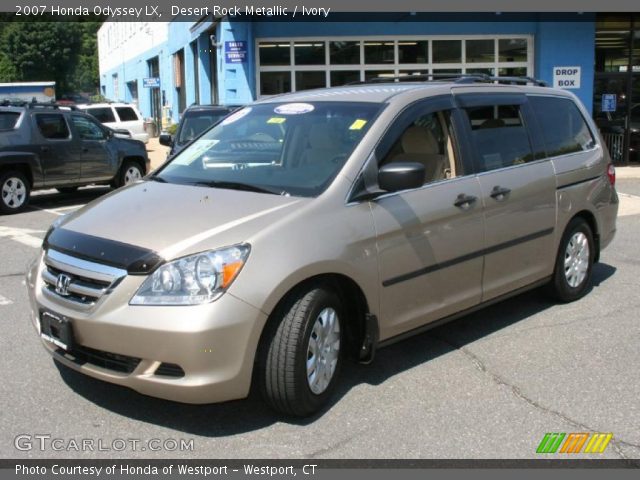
127,114
8,120
103,114
564,129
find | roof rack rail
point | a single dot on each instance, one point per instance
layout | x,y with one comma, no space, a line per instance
519,81
52,105
455,77
8,102
423,77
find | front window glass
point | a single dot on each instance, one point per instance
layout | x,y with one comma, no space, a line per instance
427,141
282,148
87,129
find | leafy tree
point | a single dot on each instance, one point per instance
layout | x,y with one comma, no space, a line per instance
63,51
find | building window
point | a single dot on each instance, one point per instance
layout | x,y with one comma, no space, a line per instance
289,65
196,71
116,91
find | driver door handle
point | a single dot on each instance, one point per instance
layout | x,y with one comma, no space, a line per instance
464,201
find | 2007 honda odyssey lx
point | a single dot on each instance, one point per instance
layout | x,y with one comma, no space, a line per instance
315,225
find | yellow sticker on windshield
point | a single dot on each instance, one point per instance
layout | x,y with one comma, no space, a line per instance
358,124
276,120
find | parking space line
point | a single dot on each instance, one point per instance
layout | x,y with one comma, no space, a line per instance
57,211
22,235
4,301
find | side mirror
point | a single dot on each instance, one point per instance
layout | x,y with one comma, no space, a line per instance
165,139
394,177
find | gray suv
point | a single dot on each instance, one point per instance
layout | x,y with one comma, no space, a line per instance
320,225
47,146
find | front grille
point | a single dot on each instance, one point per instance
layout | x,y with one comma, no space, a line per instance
111,361
170,370
75,282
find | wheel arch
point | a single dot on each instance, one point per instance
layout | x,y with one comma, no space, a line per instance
353,298
22,164
141,161
591,220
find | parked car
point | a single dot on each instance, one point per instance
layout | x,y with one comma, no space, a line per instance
120,116
46,146
72,99
372,212
195,120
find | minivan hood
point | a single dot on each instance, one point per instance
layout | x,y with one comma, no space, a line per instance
174,220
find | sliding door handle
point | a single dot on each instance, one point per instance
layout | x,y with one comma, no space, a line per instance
464,201
499,193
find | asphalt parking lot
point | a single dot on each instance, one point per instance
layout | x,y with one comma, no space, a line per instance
489,385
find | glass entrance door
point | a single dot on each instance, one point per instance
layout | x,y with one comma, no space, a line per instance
634,120
610,111
616,102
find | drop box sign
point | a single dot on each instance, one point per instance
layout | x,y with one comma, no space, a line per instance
566,77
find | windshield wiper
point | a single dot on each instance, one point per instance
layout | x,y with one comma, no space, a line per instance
247,187
156,178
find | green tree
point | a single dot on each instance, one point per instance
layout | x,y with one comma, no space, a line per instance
65,52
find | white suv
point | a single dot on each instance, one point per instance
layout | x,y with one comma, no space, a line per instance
119,116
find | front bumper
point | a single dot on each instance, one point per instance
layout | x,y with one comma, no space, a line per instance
214,344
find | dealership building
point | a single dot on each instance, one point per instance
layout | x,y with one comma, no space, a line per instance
164,67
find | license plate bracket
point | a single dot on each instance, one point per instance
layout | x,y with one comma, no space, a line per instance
56,329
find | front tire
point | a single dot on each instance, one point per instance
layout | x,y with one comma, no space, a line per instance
14,192
574,262
130,172
303,356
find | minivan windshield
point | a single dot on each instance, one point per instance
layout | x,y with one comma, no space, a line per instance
283,148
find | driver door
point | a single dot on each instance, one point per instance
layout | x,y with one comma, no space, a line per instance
430,239
99,157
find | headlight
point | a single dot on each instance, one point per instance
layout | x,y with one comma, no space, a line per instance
193,280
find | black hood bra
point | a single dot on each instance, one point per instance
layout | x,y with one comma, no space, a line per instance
136,260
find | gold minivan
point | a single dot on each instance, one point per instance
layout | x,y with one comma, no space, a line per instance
314,226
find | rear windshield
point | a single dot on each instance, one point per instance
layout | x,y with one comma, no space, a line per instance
8,120
196,123
285,148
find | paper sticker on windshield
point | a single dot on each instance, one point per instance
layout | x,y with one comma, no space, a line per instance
358,124
234,117
294,108
277,120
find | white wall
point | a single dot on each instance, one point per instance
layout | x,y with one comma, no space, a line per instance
122,41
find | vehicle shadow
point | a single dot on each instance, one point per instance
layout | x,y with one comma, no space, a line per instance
231,418
54,199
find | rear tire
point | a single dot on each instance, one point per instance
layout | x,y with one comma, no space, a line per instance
301,359
15,191
129,172
574,262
